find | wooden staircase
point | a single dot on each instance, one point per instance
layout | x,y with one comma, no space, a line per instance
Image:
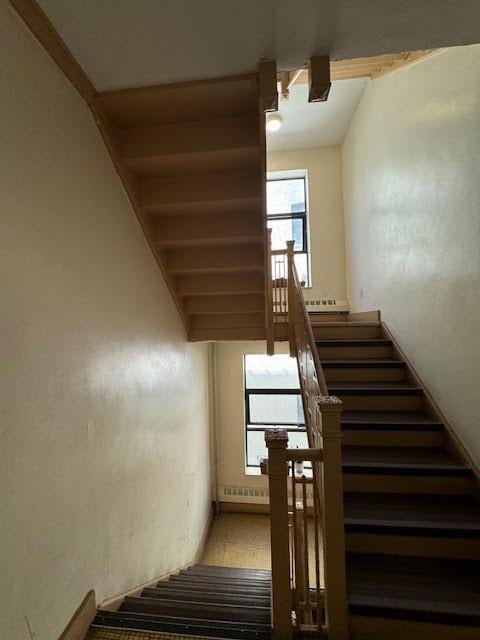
192,158
207,601
412,519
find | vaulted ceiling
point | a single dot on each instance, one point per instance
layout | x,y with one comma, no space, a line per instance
124,43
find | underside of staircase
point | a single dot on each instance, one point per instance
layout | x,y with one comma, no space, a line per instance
192,159
412,517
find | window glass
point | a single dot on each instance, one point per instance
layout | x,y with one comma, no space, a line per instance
271,372
278,408
286,229
285,196
256,448
301,263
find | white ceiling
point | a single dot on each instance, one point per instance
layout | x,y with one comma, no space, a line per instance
122,43
316,124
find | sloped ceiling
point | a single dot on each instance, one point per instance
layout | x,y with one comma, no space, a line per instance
123,43
319,124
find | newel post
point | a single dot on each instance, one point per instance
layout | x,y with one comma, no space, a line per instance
276,441
336,608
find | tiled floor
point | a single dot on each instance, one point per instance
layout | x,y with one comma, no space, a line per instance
239,540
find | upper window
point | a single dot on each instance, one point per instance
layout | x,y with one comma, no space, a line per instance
287,218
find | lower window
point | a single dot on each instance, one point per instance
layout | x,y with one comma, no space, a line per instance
272,399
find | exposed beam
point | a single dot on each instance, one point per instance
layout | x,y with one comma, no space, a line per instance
267,79
319,79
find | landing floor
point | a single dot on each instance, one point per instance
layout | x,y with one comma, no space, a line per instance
239,540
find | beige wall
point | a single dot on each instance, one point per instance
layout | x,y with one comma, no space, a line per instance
412,209
327,242
104,454
230,417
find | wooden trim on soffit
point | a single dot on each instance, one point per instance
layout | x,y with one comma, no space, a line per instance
369,67
44,31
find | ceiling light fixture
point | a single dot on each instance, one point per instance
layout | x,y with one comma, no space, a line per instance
274,123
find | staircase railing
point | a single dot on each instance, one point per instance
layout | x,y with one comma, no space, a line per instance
306,488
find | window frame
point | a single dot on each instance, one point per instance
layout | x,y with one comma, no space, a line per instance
298,215
290,427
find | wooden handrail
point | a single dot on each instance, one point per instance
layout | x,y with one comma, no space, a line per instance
316,504
269,327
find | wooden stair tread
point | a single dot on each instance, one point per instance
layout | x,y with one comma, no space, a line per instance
360,363
241,574
389,419
211,568
352,342
366,323
431,589
410,514
217,580
401,460
374,388
190,595
182,626
199,610
215,588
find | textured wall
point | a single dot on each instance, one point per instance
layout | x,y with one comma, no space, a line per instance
411,166
327,241
104,451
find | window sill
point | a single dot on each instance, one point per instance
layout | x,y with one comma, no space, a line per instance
252,471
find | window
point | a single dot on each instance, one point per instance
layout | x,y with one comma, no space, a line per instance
272,399
287,217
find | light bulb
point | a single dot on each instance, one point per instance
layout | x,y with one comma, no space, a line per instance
274,123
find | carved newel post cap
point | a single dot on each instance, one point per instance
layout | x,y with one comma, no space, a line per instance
329,404
276,438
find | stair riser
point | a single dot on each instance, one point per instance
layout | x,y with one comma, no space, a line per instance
201,596
364,375
249,575
219,590
328,317
381,402
371,628
376,438
344,353
218,581
205,583
353,332
192,610
417,546
406,484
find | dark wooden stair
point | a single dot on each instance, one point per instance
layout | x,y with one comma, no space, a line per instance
434,590
412,519
219,602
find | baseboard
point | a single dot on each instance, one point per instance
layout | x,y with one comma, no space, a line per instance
114,603
81,620
205,535
244,507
